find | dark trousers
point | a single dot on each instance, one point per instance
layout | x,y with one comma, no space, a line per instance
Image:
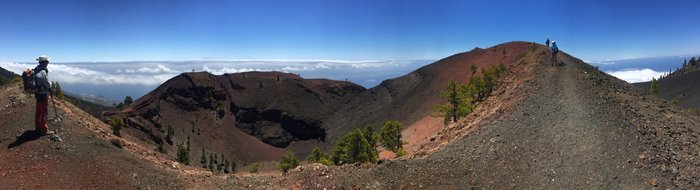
42,105
555,62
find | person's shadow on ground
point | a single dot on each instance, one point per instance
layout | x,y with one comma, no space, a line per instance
27,136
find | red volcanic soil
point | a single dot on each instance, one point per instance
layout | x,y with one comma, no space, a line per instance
83,160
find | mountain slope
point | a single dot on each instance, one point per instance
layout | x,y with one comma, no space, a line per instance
252,115
685,88
572,127
6,76
258,115
83,160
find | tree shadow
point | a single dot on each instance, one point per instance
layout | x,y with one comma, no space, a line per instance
27,136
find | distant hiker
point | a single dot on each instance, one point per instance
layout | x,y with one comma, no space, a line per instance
43,89
555,50
547,42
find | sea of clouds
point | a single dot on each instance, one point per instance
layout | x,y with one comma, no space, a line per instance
115,80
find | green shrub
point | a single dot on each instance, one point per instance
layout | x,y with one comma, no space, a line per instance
253,168
391,135
289,161
400,152
117,124
352,148
674,101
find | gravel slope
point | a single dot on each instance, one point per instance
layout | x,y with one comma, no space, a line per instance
575,128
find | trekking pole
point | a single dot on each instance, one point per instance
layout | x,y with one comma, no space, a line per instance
55,110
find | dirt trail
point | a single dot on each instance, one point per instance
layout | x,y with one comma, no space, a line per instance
562,135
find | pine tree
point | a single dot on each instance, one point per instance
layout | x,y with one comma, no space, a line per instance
128,100
391,135
211,162
169,135
654,86
352,148
183,156
56,88
233,165
692,61
459,102
372,138
203,158
226,166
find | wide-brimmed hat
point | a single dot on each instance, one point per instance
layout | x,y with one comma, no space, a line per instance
43,58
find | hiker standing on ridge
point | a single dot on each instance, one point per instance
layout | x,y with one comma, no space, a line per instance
547,42
42,99
555,50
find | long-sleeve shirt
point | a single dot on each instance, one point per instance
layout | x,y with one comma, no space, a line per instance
43,84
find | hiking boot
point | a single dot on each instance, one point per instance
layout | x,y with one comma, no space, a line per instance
47,132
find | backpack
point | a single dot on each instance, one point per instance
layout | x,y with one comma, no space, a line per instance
30,81
555,49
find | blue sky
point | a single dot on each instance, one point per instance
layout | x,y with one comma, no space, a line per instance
137,30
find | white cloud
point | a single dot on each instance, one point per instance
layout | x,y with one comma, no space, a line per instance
600,62
294,68
150,73
637,75
74,75
224,70
160,68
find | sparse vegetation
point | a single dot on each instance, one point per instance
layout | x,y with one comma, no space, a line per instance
674,101
317,156
289,161
461,98
117,124
352,148
473,68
